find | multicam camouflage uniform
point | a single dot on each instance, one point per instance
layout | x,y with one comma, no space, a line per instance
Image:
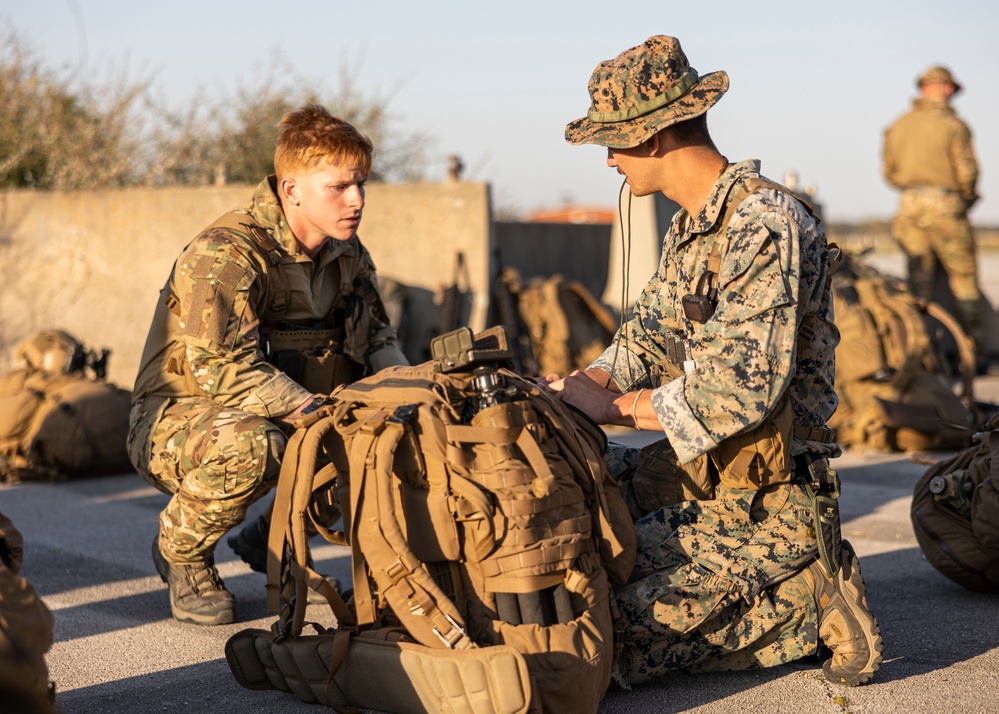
719,582
928,154
201,426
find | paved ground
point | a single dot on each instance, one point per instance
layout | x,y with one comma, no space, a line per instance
118,650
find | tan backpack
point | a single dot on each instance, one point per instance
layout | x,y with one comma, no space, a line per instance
486,534
59,417
25,633
895,389
955,513
563,326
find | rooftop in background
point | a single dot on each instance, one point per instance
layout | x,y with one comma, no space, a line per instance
574,214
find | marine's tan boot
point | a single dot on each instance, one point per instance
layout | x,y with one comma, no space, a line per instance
846,625
197,593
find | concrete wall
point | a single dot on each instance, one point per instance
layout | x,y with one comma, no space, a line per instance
93,263
577,251
636,246
610,261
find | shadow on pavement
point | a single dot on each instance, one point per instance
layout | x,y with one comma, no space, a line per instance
927,621
206,688
128,611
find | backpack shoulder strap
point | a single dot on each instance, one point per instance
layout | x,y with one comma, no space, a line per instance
965,349
707,285
297,482
422,607
264,243
737,195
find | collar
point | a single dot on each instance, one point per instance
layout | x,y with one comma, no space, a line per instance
939,104
712,209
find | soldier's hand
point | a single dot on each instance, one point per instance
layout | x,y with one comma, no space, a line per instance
545,382
289,422
582,391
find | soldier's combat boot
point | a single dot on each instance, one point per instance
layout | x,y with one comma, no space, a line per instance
250,544
846,625
197,593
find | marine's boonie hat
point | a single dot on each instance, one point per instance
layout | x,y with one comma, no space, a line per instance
938,74
641,91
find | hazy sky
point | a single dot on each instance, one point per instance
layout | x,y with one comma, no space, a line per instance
813,84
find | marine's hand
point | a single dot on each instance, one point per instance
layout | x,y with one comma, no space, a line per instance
544,382
581,390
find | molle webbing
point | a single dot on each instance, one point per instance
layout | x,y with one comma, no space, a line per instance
311,354
511,501
677,349
261,239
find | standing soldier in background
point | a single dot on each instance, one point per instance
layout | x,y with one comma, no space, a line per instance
264,313
729,352
928,155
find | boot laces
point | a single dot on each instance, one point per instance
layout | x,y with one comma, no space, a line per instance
203,579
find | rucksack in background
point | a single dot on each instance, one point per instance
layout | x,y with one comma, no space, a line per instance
895,384
25,633
559,325
485,531
59,417
955,513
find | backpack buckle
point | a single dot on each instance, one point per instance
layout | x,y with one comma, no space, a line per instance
402,414
453,636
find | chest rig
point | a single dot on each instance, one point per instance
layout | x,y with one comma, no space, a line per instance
700,305
320,354
754,459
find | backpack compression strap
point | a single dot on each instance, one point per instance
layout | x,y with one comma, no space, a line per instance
965,349
377,540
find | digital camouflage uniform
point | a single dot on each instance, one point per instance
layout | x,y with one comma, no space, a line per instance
205,396
928,155
719,582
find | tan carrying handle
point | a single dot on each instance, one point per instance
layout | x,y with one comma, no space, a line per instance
964,348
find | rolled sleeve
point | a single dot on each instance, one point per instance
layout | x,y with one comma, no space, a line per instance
686,434
624,366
